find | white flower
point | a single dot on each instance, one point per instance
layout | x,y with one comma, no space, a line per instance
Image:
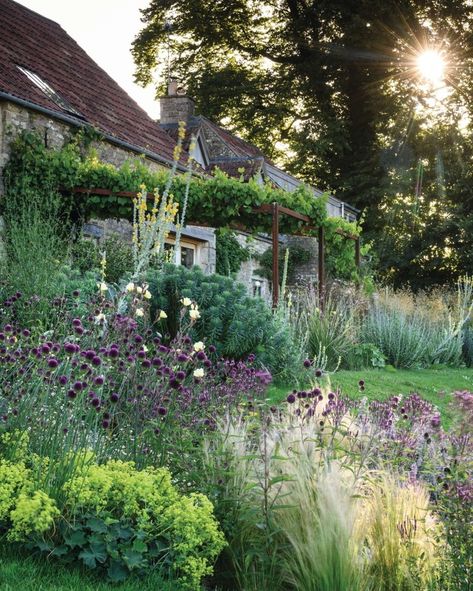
102,286
194,314
130,287
199,346
147,295
139,312
145,348
162,315
139,289
99,318
186,301
198,373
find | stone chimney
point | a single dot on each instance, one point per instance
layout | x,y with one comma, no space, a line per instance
175,106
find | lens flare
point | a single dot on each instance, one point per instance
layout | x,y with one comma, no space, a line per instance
431,66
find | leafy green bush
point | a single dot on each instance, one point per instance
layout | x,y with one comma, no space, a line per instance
87,256
114,518
402,338
230,253
234,322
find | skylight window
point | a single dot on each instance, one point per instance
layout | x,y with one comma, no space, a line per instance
50,92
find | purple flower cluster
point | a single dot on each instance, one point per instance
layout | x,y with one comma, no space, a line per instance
128,379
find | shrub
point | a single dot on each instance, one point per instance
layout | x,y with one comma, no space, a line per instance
115,518
234,322
87,256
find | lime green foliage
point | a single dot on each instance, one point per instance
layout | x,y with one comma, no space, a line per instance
33,513
14,479
218,201
115,517
230,253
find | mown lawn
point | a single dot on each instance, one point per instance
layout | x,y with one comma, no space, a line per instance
20,572
435,385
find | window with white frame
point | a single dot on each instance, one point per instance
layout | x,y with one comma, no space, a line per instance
187,253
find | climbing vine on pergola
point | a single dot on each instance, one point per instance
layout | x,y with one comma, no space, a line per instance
93,189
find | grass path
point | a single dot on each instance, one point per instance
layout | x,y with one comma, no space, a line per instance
435,385
20,572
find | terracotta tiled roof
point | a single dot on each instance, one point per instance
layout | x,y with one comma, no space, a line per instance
40,45
237,145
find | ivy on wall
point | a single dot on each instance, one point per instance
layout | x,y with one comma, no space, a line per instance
230,253
219,201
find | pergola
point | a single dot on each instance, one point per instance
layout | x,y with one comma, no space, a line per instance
275,210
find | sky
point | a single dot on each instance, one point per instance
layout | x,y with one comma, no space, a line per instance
105,29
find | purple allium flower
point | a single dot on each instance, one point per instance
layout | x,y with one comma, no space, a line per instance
141,354
187,340
146,363
96,361
79,330
318,373
76,293
105,424
71,393
162,411
212,348
99,380
180,375
291,398
53,362
8,328
95,402
26,332
361,383
182,357
113,353
331,396
207,363
163,349
45,349
201,356
62,380
138,339
114,397
77,386
76,322
307,362
174,383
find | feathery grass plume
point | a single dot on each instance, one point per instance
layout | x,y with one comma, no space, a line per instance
318,528
400,534
237,463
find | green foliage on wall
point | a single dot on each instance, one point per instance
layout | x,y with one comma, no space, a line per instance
218,201
230,253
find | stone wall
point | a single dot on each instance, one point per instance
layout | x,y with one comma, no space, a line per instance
306,273
247,274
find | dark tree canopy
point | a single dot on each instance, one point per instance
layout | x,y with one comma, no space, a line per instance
330,90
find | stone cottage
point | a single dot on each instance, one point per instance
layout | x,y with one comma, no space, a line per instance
48,83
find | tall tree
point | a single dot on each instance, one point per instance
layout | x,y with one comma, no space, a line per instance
328,88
